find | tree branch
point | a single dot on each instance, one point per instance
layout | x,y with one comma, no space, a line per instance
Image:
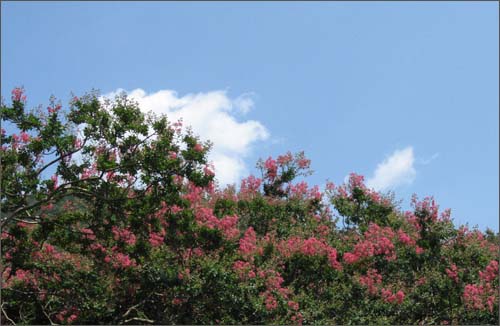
6,316
140,319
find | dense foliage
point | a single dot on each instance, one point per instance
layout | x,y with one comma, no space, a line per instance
111,216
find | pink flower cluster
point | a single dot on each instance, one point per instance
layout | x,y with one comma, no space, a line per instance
426,207
122,261
89,172
248,243
228,224
18,95
172,155
484,295
156,239
301,191
309,247
285,159
54,109
490,273
67,316
209,171
21,275
55,181
475,237
271,168
302,162
198,148
377,242
274,287
194,194
372,280
51,252
405,238
390,297
249,187
293,305
88,234
19,140
243,269
473,296
356,181
124,235
452,272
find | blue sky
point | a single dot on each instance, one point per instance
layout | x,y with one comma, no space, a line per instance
403,93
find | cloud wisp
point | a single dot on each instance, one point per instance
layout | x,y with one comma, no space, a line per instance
396,170
212,115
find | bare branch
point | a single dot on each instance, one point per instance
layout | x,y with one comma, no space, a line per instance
6,316
140,319
57,159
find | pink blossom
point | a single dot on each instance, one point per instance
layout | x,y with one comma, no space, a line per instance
98,247
388,296
208,171
172,155
472,296
271,167
88,234
405,238
241,267
303,162
248,242
293,305
427,207
77,142
72,318
198,148
490,273
124,235
60,316
23,276
156,239
350,258
249,186
284,159
176,301
452,272
25,137
54,180
18,95
271,302
175,209
356,181
123,260
110,175
400,296
490,302
371,280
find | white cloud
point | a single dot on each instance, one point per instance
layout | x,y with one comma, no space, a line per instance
394,171
244,103
426,161
212,117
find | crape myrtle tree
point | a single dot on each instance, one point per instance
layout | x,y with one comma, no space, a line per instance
112,216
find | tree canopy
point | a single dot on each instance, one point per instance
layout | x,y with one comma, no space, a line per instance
113,216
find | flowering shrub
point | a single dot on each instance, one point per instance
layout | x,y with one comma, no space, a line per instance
111,216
